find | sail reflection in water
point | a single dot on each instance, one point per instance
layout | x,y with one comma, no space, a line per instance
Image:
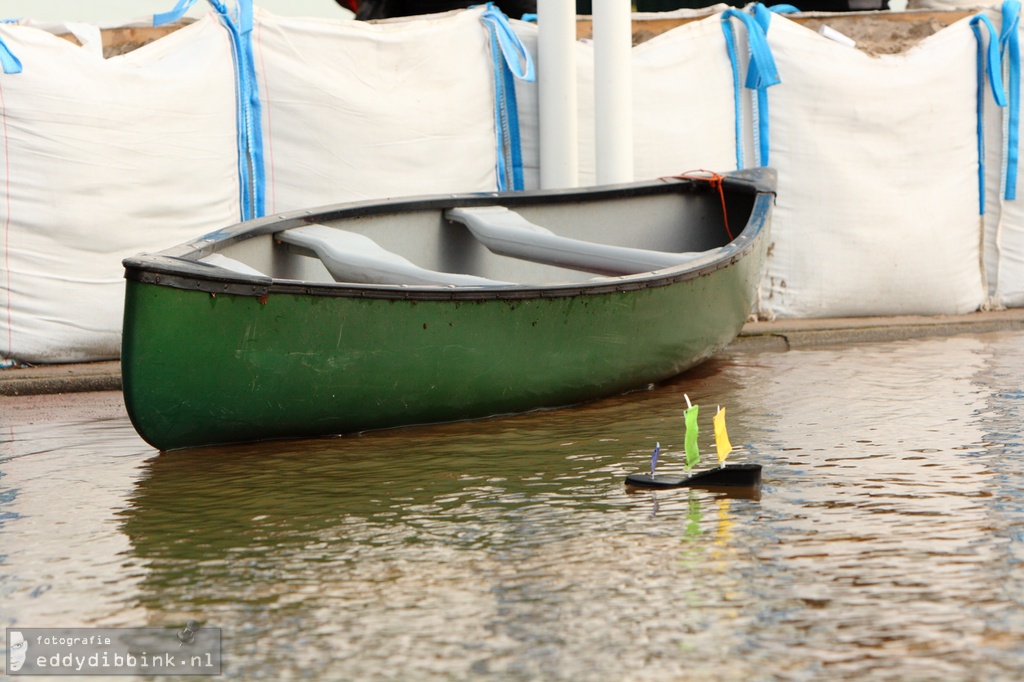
885,542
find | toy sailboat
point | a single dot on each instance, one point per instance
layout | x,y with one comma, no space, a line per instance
725,475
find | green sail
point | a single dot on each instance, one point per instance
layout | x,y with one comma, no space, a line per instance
692,453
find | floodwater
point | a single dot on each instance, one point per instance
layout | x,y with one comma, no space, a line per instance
886,544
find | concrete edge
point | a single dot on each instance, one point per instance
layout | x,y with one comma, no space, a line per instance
777,335
65,378
808,333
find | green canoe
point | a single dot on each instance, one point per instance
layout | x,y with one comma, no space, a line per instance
379,314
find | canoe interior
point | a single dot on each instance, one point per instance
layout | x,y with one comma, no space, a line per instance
678,218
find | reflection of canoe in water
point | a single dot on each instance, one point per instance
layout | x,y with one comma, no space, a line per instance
373,315
209,503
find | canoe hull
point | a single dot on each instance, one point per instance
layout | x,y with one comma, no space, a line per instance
205,367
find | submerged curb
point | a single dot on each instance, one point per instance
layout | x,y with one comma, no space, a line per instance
70,378
778,335
807,333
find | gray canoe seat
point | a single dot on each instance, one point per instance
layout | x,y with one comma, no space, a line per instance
507,233
231,264
351,257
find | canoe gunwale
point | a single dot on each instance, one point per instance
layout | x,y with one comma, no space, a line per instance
178,267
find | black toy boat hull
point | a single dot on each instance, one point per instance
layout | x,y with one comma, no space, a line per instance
731,475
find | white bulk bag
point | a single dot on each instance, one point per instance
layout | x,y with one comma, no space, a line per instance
1004,246
102,159
683,102
356,110
528,107
1004,213
877,210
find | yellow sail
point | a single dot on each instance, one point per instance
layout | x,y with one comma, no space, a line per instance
721,436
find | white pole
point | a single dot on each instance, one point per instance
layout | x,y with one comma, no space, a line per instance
556,92
613,90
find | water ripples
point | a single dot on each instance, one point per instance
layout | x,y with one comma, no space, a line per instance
886,541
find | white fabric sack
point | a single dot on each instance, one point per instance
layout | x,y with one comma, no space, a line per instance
683,102
89,36
528,108
1004,219
100,160
354,110
1004,241
877,210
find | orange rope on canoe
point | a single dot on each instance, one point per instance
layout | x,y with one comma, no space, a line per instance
715,180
